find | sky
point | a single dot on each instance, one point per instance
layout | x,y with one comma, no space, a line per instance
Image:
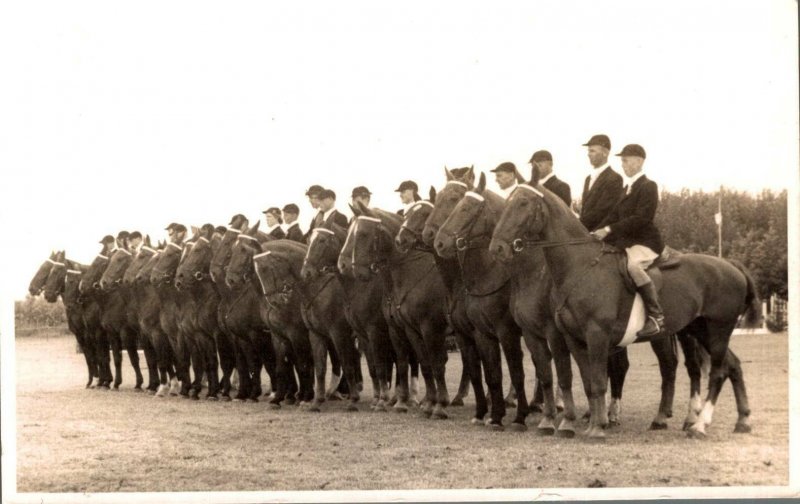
134,115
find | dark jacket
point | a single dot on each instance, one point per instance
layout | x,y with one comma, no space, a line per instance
294,233
631,220
560,189
277,233
314,223
598,202
337,218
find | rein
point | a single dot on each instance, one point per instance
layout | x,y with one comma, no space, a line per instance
518,244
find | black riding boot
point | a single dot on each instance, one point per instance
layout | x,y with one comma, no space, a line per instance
655,316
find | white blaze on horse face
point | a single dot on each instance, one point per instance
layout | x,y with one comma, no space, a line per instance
258,272
350,235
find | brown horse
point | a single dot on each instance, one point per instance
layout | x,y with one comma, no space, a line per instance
288,342
703,294
418,298
122,303
40,277
409,237
63,281
240,316
361,304
277,270
204,299
500,310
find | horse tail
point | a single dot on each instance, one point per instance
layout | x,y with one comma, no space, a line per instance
752,311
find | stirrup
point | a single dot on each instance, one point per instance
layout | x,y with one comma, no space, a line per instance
658,330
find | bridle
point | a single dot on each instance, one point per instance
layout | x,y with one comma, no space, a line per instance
328,268
200,275
246,271
376,265
286,287
418,244
166,277
464,241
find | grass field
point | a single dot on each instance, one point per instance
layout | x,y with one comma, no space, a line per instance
70,439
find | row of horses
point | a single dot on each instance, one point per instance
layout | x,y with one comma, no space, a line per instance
497,273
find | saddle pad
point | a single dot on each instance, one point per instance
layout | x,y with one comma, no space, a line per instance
635,322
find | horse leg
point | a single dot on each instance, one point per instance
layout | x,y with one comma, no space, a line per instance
667,353
425,361
715,339
344,347
162,361
255,363
242,369
618,366
336,389
466,366
319,349
511,343
130,340
693,362
208,350
403,355
115,340
434,343
151,361
563,363
283,368
537,401
542,360
597,353
199,364
227,361
733,369
89,356
489,351
471,359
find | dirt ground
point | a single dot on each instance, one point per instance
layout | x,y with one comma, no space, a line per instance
70,439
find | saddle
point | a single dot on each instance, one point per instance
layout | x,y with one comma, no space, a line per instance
668,259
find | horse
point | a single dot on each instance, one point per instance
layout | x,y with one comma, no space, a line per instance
239,315
417,298
104,317
148,304
361,303
62,280
40,277
204,299
123,312
409,236
703,295
321,306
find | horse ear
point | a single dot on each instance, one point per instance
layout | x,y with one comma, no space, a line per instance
364,210
448,174
147,241
481,184
355,210
432,194
469,177
534,176
195,231
254,230
53,255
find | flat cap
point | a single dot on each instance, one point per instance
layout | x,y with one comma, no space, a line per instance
176,227
107,239
134,235
508,167
291,208
122,235
541,155
273,210
360,191
633,150
326,193
407,184
314,190
220,229
601,140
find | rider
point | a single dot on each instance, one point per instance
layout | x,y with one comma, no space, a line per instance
506,176
361,194
630,226
603,188
409,194
274,221
291,226
177,232
313,199
135,241
542,161
327,204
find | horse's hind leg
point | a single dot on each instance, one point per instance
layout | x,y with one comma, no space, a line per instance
542,359
510,340
693,362
618,366
152,363
715,339
563,364
319,350
667,353
734,371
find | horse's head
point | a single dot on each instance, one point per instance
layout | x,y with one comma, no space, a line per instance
277,270
471,223
137,263
118,264
222,255
323,251
163,272
195,265
90,280
524,218
372,237
240,266
143,276
39,279
459,181
414,221
54,283
72,280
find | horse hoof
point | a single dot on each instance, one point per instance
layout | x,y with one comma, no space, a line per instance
238,400
536,408
314,408
545,431
694,433
658,426
742,429
566,433
138,389
560,409
252,400
596,439
686,425
290,401
440,415
400,408
611,423
274,405
457,402
116,388
150,391
212,398
352,407
511,403
226,398
379,408
427,413
517,427
496,427
476,421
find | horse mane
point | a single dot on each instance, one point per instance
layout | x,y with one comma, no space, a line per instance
460,173
290,247
389,218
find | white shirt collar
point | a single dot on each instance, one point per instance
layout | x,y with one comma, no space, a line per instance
548,177
628,181
272,228
508,190
408,207
328,214
287,227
